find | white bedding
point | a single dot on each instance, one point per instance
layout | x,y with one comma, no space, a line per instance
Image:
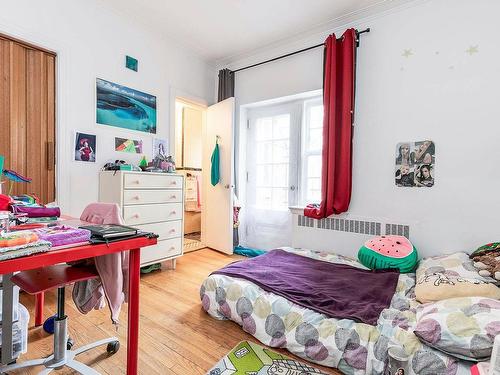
352,347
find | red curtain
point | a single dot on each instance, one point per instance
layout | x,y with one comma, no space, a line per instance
338,102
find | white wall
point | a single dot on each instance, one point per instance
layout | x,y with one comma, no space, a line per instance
92,41
439,93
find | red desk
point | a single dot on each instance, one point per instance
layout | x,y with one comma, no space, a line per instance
90,251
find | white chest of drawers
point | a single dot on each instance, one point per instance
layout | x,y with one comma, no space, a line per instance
153,202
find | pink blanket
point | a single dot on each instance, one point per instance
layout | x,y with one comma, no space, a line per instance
112,268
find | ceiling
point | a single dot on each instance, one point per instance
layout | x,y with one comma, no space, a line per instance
219,29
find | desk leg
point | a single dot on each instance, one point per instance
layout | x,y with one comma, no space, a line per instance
39,301
133,311
7,302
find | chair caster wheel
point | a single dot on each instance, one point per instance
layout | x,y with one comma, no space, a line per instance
113,347
48,325
69,343
14,361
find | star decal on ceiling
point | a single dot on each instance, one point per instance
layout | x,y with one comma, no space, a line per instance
407,53
472,50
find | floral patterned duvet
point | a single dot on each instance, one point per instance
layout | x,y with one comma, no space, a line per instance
352,347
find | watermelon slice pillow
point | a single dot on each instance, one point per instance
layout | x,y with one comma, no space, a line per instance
389,252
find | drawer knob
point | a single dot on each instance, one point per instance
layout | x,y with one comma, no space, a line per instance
173,182
136,216
173,213
136,197
172,248
136,182
172,230
173,196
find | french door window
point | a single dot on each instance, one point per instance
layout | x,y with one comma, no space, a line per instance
283,168
272,162
284,154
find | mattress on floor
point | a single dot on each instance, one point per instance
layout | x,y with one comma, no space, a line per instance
352,347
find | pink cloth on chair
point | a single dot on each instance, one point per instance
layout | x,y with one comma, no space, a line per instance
112,268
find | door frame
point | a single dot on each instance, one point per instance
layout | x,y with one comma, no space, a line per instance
180,95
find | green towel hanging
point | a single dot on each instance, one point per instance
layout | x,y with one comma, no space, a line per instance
215,172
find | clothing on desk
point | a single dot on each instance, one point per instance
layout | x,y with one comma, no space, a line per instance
112,283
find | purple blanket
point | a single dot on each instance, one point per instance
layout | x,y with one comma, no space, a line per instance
336,290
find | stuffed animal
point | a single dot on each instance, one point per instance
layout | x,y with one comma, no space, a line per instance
389,252
487,260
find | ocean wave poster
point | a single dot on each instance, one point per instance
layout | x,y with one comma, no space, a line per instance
124,107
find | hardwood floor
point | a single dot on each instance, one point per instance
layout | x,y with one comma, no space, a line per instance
176,335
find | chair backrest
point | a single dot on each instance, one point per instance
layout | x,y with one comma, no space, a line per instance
102,213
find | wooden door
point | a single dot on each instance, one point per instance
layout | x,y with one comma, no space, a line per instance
27,117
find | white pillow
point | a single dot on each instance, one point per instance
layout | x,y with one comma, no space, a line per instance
450,276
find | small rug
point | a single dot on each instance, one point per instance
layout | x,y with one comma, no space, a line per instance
249,358
191,245
193,236
248,252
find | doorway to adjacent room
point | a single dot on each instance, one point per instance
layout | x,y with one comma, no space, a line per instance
189,120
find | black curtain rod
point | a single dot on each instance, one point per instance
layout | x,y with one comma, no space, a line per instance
299,51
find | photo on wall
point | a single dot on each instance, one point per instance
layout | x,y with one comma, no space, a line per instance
85,147
128,145
160,148
415,164
124,107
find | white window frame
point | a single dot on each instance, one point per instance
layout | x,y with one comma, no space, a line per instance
304,152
